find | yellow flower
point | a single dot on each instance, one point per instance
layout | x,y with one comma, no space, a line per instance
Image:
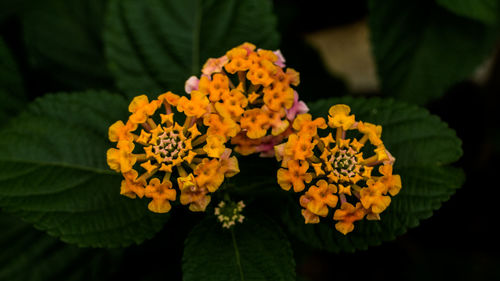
371,131
339,117
141,108
215,146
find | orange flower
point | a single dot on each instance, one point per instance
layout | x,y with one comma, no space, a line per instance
255,122
214,65
220,126
295,176
132,186
233,105
276,121
392,182
372,197
196,106
161,193
346,215
119,131
278,95
122,159
209,175
299,147
319,197
245,145
218,87
305,125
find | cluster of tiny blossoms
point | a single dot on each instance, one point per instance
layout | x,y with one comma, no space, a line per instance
229,213
252,98
153,148
245,99
351,166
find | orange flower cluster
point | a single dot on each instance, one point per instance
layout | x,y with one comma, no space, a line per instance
251,98
153,149
352,166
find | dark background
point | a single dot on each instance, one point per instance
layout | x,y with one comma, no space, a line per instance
458,242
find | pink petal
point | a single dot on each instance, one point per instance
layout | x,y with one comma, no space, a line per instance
281,59
191,84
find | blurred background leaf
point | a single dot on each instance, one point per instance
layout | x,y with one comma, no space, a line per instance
154,46
53,172
30,255
11,85
424,148
487,11
64,44
254,250
421,49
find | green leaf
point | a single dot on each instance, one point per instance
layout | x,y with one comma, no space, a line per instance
64,42
53,172
11,85
8,8
424,148
254,250
155,45
28,254
421,49
486,11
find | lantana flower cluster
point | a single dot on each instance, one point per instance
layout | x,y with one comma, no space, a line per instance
251,95
182,146
347,169
153,148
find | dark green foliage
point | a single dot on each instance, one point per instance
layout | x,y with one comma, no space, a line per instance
254,250
154,46
487,11
64,42
11,85
28,254
421,49
53,172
